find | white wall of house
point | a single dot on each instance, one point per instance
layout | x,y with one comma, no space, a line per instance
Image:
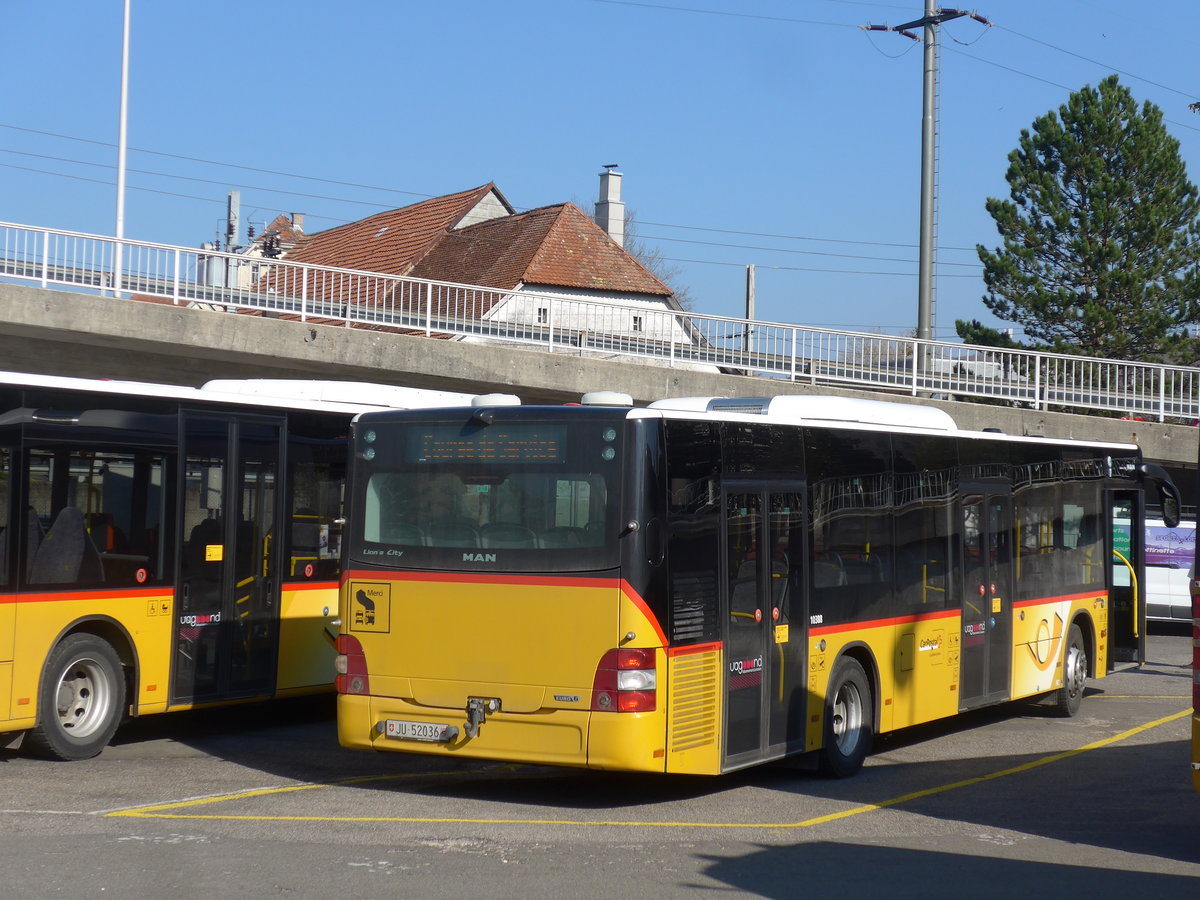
490,207
638,316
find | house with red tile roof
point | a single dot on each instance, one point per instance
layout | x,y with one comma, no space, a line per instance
476,237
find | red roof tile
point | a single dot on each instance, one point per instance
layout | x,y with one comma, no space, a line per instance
555,246
391,242
550,247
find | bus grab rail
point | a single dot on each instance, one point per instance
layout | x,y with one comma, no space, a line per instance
1134,579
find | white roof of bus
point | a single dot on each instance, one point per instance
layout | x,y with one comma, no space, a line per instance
846,412
812,408
328,396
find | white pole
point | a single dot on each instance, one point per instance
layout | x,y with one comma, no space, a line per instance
120,233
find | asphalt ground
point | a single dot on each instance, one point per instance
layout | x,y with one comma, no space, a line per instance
260,801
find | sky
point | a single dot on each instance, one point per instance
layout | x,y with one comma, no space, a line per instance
772,133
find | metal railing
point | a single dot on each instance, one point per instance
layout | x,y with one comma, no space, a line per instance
592,327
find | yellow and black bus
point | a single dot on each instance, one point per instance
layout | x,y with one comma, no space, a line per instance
707,583
167,547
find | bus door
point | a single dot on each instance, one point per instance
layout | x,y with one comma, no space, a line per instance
227,607
1126,591
764,623
987,547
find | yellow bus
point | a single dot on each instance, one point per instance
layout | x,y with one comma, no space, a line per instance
709,583
165,547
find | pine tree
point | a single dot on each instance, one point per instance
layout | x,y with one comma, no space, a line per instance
1101,236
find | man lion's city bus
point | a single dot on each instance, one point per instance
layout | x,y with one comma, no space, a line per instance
706,584
165,547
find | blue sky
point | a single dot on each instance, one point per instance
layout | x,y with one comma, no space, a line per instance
771,132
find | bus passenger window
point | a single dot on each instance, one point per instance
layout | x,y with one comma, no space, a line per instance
101,513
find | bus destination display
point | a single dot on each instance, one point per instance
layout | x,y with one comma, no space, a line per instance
510,444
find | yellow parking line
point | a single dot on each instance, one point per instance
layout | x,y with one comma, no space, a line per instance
162,811
1136,697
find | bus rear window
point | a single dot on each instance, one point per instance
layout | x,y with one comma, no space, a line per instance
523,510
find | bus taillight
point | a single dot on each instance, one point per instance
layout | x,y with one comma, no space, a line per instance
351,665
626,681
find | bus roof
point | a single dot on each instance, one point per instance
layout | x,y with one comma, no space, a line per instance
325,396
849,412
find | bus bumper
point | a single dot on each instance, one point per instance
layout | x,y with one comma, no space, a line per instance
619,741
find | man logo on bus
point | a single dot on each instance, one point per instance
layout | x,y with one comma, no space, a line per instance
366,615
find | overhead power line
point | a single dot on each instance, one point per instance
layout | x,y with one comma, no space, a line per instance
382,206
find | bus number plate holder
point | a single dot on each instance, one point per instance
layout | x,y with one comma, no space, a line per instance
429,732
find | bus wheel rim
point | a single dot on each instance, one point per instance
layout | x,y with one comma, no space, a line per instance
83,698
847,717
1076,668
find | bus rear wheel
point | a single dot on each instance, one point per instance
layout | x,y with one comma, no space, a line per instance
1069,697
80,700
849,718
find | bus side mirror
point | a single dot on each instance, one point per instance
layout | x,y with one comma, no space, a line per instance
1170,508
1168,494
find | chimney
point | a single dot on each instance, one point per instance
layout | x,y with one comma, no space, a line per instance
298,221
610,211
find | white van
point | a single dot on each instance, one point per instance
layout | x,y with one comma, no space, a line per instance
1170,562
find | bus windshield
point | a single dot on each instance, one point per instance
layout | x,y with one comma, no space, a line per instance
523,497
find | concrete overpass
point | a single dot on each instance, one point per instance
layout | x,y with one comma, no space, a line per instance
65,333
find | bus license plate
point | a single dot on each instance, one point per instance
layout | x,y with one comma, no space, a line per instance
419,731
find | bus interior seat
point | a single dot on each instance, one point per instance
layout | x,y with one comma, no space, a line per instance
863,570
306,536
828,571
34,533
743,592
454,533
593,533
66,554
206,532
404,533
107,537
507,535
561,536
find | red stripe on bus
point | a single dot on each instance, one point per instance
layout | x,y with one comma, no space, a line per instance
637,601
1070,598
884,623
105,594
946,613
309,586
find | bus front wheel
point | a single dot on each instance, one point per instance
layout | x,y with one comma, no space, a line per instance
80,700
1069,697
849,718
